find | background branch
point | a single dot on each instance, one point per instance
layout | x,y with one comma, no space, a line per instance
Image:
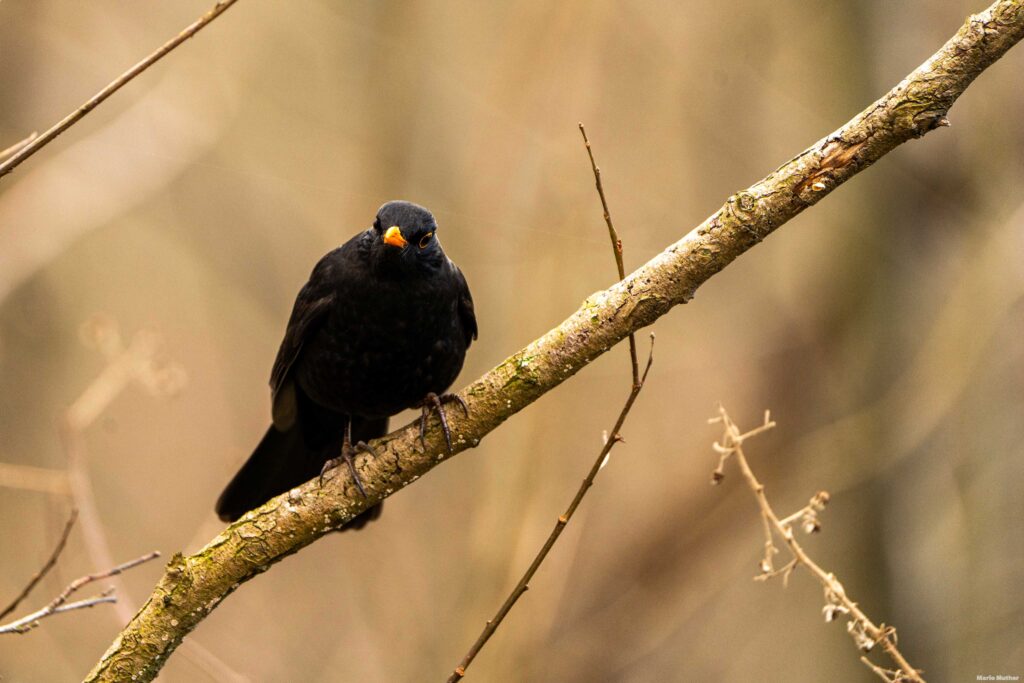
33,144
47,566
17,146
60,603
193,586
864,632
135,362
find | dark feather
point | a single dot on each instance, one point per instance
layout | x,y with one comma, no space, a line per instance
467,316
307,317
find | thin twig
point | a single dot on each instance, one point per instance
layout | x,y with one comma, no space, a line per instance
38,143
616,242
524,583
47,566
60,603
614,436
864,632
106,597
17,146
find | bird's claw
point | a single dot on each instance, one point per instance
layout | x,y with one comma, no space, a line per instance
434,402
348,451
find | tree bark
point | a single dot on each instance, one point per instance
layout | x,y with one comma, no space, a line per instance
193,586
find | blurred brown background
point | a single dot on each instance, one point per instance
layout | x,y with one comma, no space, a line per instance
882,327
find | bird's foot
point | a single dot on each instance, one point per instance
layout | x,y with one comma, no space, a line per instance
434,402
347,456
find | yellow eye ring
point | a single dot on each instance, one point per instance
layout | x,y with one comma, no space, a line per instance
425,240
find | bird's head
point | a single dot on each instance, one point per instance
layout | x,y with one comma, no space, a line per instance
404,239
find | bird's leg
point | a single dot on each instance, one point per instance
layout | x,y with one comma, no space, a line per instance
434,402
347,453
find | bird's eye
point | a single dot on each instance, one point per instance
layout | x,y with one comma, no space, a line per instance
425,240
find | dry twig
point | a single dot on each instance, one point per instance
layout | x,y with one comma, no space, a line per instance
291,521
614,236
613,437
523,585
60,603
47,566
863,631
18,146
33,144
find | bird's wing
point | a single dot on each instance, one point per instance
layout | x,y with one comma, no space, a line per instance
467,316
308,316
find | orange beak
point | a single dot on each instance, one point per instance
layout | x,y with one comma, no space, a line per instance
393,236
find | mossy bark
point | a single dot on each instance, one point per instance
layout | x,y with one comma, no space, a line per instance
193,586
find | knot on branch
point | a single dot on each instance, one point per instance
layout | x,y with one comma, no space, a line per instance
838,162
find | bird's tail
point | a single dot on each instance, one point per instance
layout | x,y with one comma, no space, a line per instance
281,462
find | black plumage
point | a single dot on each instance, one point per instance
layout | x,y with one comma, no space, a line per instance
383,324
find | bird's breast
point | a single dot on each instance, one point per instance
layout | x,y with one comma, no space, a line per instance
381,352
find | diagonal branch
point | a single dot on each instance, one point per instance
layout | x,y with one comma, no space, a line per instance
523,585
32,144
18,146
616,242
194,585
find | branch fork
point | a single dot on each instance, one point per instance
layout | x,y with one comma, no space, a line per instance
60,604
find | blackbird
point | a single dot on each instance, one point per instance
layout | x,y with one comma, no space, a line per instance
382,325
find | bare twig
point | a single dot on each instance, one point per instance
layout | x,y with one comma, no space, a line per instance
60,603
47,566
612,438
37,143
524,583
17,146
32,478
863,631
614,236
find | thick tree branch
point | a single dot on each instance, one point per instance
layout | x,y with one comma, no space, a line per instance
194,585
